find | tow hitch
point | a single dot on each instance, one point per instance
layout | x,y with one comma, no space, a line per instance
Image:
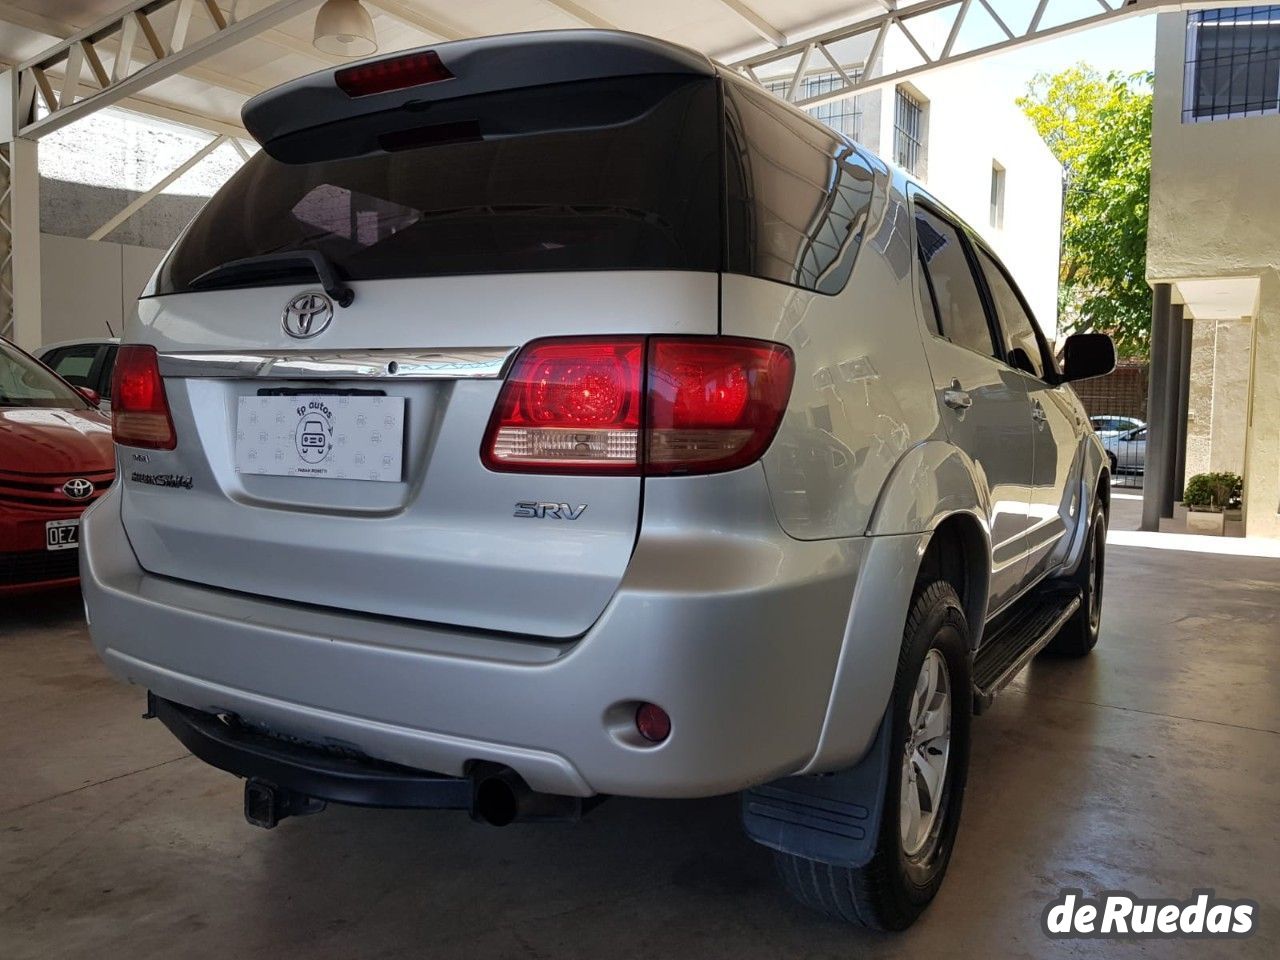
265,804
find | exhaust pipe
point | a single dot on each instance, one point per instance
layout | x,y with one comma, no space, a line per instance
500,796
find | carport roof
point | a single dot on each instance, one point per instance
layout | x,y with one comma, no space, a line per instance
197,61
210,93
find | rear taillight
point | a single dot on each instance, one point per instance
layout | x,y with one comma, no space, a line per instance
714,403
139,408
570,406
625,405
394,73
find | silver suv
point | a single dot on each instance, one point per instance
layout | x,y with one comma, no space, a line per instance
545,417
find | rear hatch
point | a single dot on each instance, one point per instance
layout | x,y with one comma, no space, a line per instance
333,457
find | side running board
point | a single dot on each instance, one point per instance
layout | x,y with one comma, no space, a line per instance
1022,634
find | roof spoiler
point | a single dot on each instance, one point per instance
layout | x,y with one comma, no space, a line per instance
461,68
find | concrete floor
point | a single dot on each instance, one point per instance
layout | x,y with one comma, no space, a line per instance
1152,766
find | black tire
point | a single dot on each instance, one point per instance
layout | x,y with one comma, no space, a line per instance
1115,464
893,890
1079,635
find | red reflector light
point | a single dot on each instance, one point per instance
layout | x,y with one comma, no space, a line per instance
395,73
139,408
580,405
652,722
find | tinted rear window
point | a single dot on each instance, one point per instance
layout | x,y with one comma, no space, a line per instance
799,198
617,174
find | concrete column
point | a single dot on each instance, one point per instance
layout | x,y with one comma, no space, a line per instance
1184,404
1159,409
20,239
1175,431
24,242
1262,442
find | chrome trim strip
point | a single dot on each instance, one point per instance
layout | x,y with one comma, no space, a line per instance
465,363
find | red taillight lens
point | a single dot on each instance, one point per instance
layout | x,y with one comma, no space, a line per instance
395,73
715,403
582,405
139,408
570,406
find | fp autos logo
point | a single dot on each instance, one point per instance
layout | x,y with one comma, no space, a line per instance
1120,915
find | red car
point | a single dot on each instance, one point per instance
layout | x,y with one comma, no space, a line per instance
56,458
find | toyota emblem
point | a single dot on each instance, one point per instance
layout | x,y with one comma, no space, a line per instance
307,315
78,488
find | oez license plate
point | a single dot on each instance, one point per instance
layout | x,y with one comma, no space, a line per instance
62,534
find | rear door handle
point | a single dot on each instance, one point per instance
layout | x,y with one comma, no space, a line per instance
957,398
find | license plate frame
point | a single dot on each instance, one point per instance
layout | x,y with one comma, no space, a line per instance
62,534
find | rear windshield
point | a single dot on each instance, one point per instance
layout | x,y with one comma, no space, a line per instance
616,174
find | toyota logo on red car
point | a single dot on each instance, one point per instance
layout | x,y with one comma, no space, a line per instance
56,458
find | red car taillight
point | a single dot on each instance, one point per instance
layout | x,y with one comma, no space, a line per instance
714,403
570,406
394,73
139,408
624,405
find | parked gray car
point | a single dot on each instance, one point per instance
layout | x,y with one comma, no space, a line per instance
544,417
1127,451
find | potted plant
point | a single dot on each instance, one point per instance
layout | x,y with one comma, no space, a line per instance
1207,496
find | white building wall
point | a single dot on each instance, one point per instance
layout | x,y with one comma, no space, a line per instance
972,122
87,287
1212,235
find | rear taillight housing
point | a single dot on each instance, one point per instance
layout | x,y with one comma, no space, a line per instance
139,408
570,406
636,405
715,403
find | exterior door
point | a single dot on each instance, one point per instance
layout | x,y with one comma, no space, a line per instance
984,402
1058,421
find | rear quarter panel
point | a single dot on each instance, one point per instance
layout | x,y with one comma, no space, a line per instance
862,396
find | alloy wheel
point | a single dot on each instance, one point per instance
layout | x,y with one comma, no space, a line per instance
925,755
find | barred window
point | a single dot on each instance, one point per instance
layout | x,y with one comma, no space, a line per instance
908,133
1233,63
843,116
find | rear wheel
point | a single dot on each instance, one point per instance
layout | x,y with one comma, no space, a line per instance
929,760
1080,634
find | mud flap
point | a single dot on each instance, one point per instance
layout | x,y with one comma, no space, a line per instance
828,817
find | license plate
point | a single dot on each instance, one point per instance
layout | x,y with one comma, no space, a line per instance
322,436
62,534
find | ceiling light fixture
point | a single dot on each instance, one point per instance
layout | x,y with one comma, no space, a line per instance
345,28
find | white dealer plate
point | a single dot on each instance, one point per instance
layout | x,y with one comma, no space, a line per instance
321,435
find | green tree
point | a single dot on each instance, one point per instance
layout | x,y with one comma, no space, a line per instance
1099,128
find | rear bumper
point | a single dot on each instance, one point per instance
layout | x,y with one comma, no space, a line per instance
306,770
736,635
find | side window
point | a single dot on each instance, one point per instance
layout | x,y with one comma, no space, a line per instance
1016,326
799,197
962,319
74,364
